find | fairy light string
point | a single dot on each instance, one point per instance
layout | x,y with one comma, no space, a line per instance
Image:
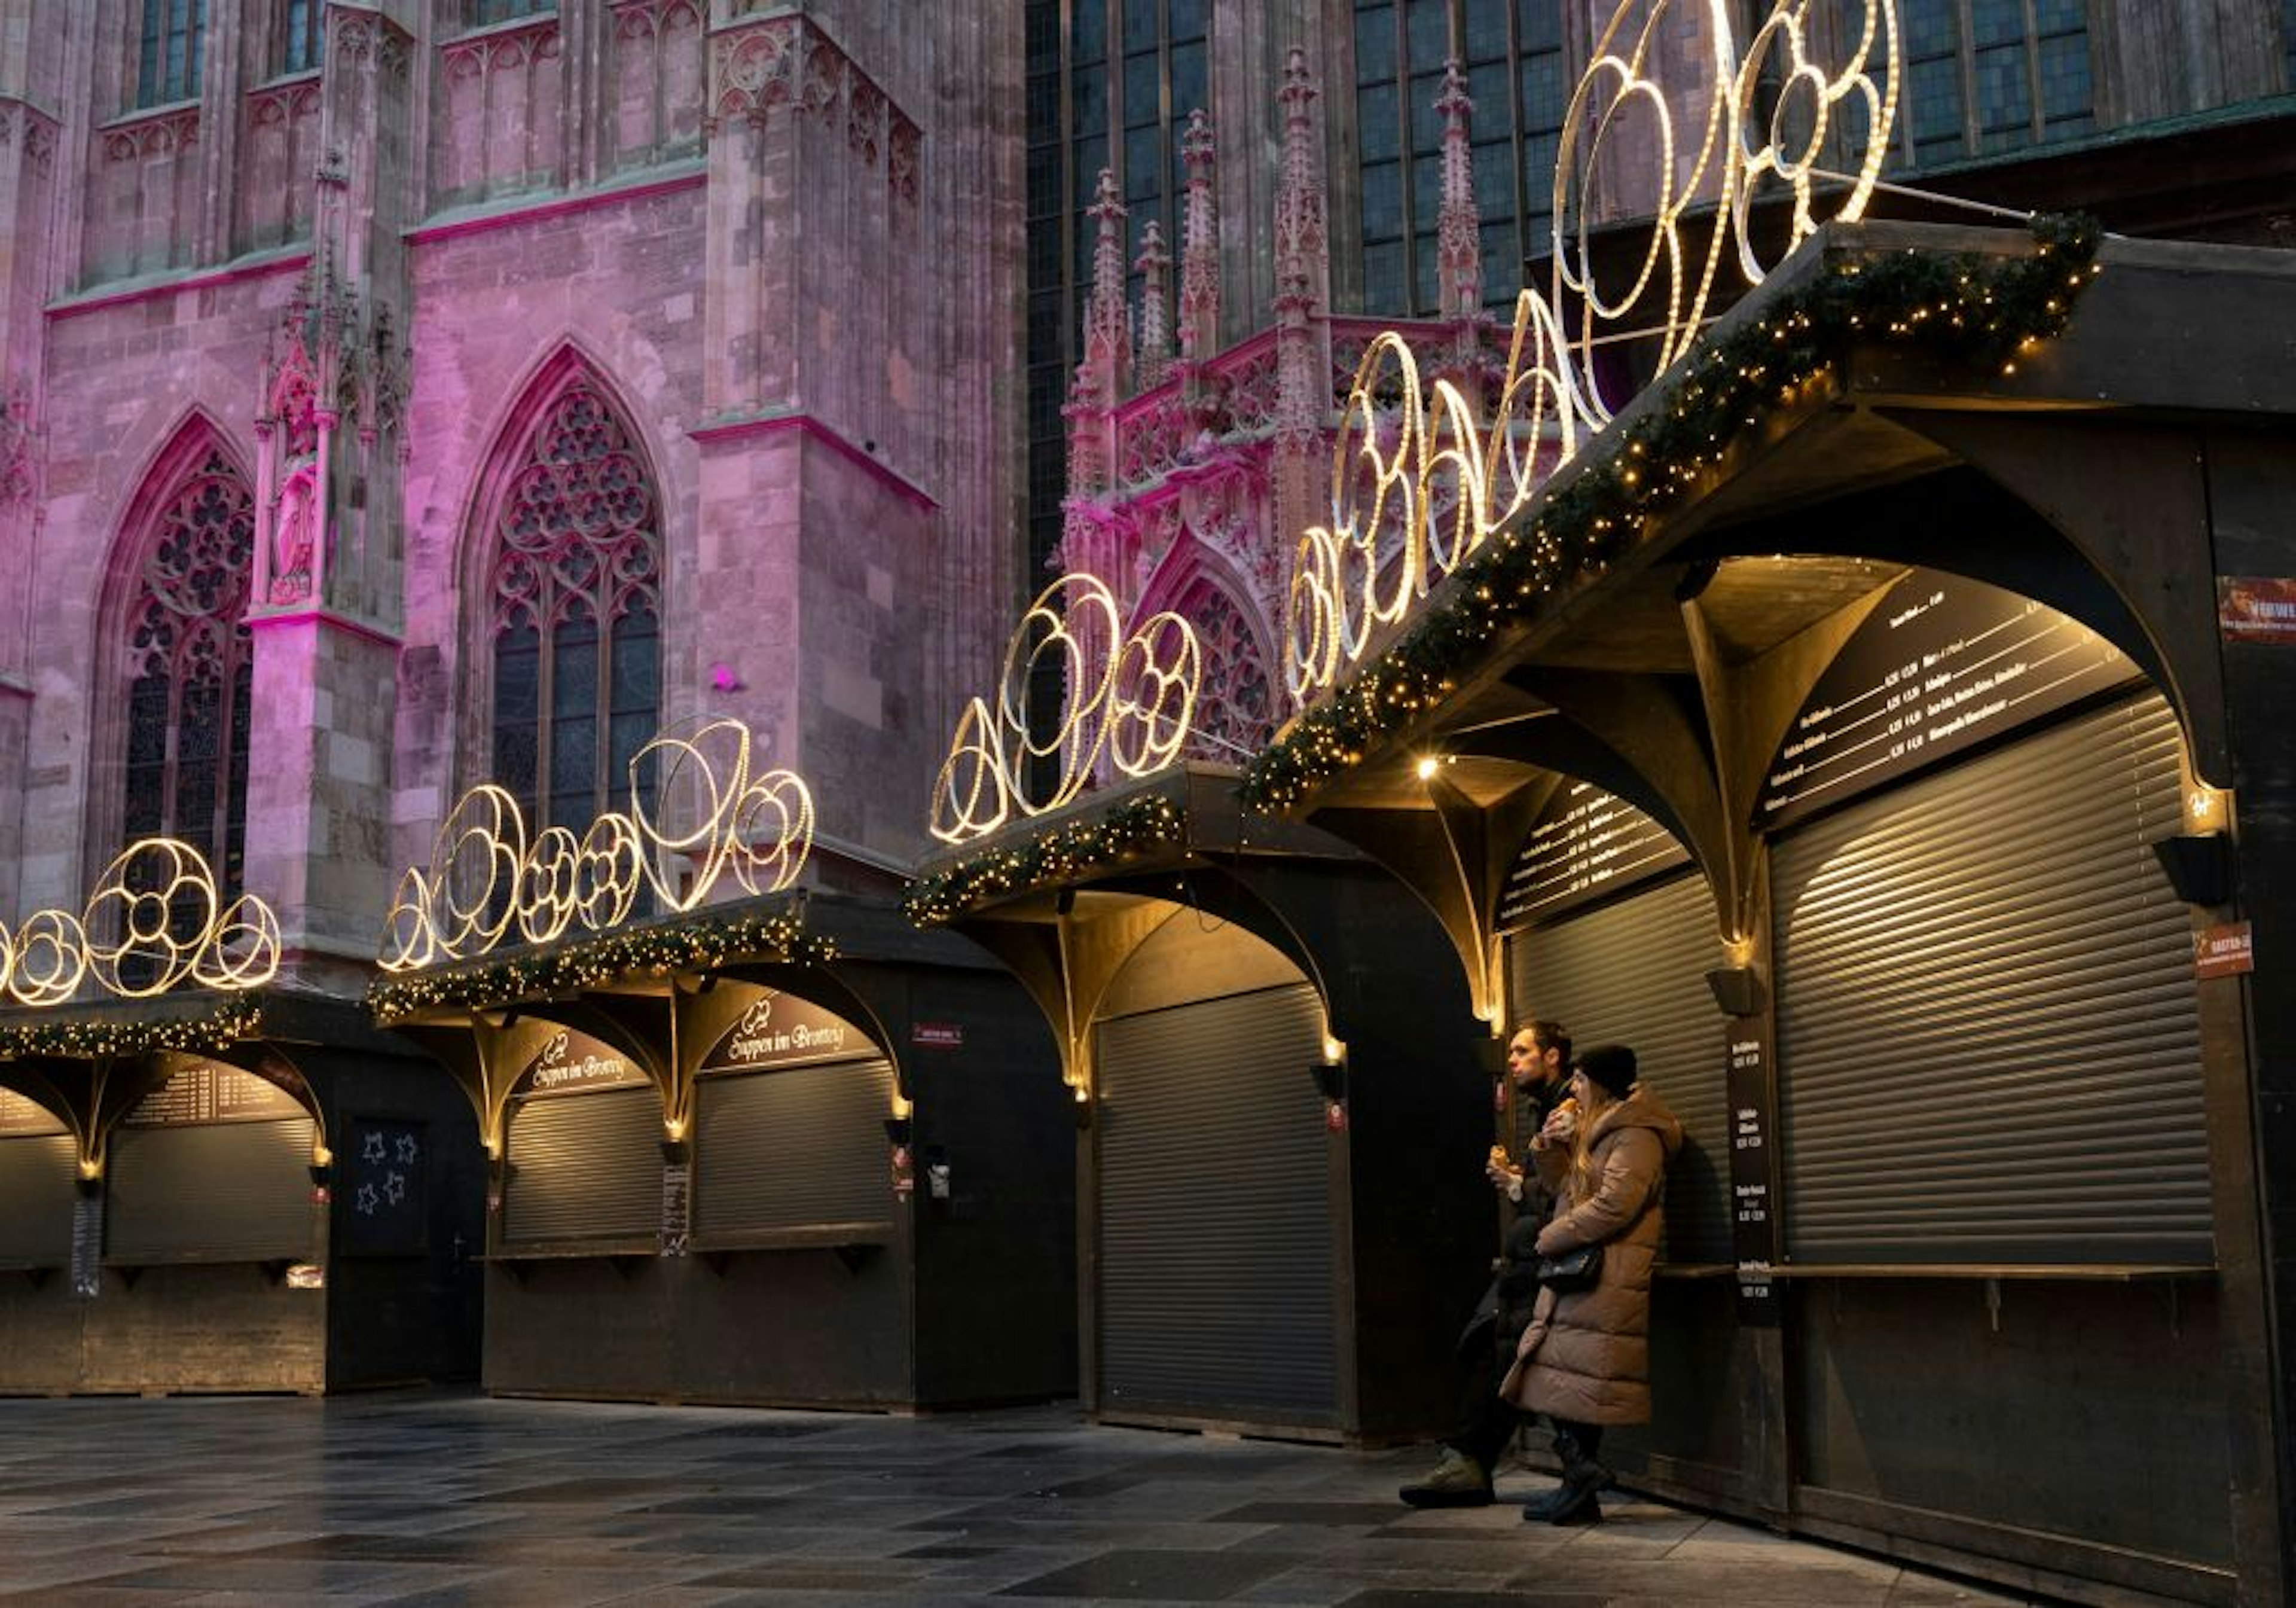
231,1020
156,920
1053,857
1982,312
693,945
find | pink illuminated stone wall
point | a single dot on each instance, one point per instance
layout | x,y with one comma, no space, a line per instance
783,243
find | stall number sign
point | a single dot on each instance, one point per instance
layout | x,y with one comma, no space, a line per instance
2223,951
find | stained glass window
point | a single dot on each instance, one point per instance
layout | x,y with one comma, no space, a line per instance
483,11
300,29
167,50
576,589
189,673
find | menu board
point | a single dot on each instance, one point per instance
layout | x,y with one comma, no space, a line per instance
1586,844
1754,1173
570,1062
21,1116
1943,662
204,1091
781,1029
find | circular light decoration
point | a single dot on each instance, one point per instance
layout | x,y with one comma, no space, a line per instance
155,921
1131,703
1418,482
487,877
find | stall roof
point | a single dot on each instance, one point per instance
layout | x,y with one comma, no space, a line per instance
2167,331
1115,837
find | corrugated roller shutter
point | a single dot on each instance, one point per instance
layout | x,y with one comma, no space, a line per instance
1988,1025
585,1166
784,1150
217,1192
1215,1211
1634,972
36,1198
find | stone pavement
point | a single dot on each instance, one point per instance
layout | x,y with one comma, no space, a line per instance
430,1497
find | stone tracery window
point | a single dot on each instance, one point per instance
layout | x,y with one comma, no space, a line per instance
191,672
575,591
1236,712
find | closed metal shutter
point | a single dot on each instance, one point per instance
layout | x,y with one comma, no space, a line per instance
36,1199
217,1192
789,1149
1988,1024
585,1166
1215,1211
1634,972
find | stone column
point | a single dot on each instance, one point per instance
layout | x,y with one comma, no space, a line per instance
326,648
319,789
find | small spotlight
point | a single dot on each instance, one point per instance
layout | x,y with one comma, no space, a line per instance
1427,771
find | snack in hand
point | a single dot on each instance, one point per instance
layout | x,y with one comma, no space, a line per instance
1499,1156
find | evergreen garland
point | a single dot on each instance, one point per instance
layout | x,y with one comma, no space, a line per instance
695,946
230,1021
1977,310
1055,857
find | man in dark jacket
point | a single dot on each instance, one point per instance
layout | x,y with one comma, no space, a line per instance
1538,1065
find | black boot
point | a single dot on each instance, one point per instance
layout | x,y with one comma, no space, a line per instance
1573,1501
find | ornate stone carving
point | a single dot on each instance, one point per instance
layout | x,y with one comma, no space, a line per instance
1199,286
650,19
32,130
1155,356
331,358
358,37
161,134
509,50
756,69
20,451
1459,245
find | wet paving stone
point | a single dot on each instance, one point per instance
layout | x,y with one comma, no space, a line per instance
441,1498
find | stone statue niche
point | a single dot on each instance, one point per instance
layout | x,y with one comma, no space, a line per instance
293,433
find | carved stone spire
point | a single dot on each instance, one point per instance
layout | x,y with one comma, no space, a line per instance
1303,270
1199,286
1302,258
1107,343
1458,250
1155,353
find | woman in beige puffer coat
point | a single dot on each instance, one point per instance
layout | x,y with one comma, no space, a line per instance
1585,1359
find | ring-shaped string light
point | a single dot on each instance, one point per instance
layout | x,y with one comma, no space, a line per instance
1131,700
1418,484
488,876
155,920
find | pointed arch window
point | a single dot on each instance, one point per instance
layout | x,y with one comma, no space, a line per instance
1236,714
191,671
575,589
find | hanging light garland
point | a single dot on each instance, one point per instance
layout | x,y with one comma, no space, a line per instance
157,919
701,944
1130,706
1980,311
234,1019
1058,856
492,878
